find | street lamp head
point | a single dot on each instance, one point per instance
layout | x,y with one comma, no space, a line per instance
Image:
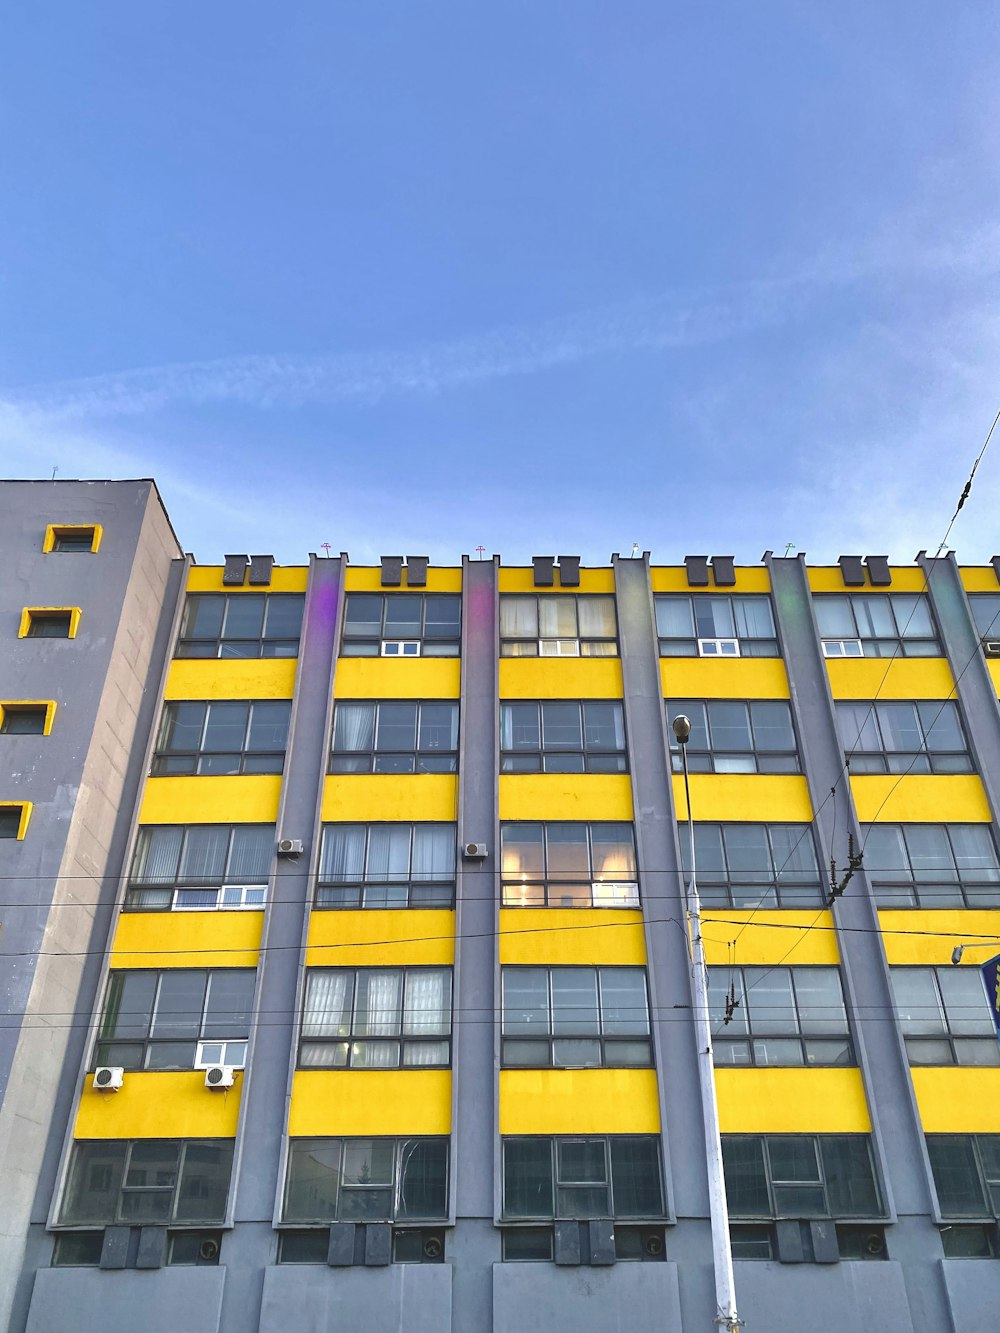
682,729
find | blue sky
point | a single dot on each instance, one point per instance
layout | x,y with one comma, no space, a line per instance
540,275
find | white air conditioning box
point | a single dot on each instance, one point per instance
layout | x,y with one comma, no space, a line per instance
475,851
218,1077
108,1078
290,847
992,647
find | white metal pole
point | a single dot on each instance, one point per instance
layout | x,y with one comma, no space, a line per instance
725,1287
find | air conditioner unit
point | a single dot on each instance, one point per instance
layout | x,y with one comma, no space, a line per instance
475,851
290,847
219,1077
992,647
109,1078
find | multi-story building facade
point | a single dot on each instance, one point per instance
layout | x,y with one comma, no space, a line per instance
345,954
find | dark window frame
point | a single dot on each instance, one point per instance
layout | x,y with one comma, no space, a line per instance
545,758
123,1190
10,822
697,644
821,1184
397,1212
755,1035
586,644
73,539
766,889
355,1037
423,641
606,1040
985,1179
198,893
372,758
539,890
929,889
167,760
926,1041
350,892
562,1184
34,713
901,606
718,758
223,645
884,757
987,626
45,624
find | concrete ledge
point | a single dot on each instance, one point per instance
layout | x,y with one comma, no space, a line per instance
403,1298
628,1298
163,1301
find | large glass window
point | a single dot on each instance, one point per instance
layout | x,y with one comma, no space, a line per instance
876,625
986,613
147,1181
366,1180
783,1016
715,625
932,865
376,1017
601,1176
241,625
558,625
924,737
176,1019
568,865
198,867
395,736
402,624
387,865
966,1171
563,736
945,1016
224,737
729,736
800,1175
750,865
575,1017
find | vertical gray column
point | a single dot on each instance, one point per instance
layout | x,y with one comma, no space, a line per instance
474,1245
973,682
251,1245
913,1240
689,1243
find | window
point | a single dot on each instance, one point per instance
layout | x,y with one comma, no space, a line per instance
876,625
945,1016
604,1176
376,1018
200,866
366,1180
563,736
148,1181
395,737
402,624
558,625
387,865
14,818
966,1170
22,719
228,736
985,609
176,1019
800,1175
245,624
568,865
924,737
784,1016
932,865
73,538
49,622
713,625
575,1017
728,736
750,865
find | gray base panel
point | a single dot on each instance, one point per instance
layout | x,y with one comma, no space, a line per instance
404,1298
165,1301
628,1298
853,1297
973,1290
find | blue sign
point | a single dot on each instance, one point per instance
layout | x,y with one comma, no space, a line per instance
990,973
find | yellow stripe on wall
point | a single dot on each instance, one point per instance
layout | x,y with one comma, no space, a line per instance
579,1101
745,797
224,800
993,666
765,941
232,678
673,578
957,1101
792,1101
368,797
928,937
718,678
159,1105
582,935
370,1101
594,796
396,678
828,578
368,578
901,678
376,937
920,798
187,939
979,578
560,678
519,578
284,578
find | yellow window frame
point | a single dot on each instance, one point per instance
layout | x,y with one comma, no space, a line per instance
19,705
55,530
26,614
25,808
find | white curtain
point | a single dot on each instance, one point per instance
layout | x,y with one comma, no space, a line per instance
597,617
327,1010
379,1002
428,1003
518,617
156,856
343,855
557,617
388,852
434,851
354,727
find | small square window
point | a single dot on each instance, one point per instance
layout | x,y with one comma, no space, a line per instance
14,820
49,622
23,719
76,538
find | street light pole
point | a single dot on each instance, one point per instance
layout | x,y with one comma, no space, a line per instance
722,1253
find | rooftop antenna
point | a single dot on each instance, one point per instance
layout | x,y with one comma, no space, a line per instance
54,471
480,551
635,551
325,546
789,546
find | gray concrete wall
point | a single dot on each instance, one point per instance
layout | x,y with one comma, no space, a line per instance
404,1298
628,1298
166,1300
